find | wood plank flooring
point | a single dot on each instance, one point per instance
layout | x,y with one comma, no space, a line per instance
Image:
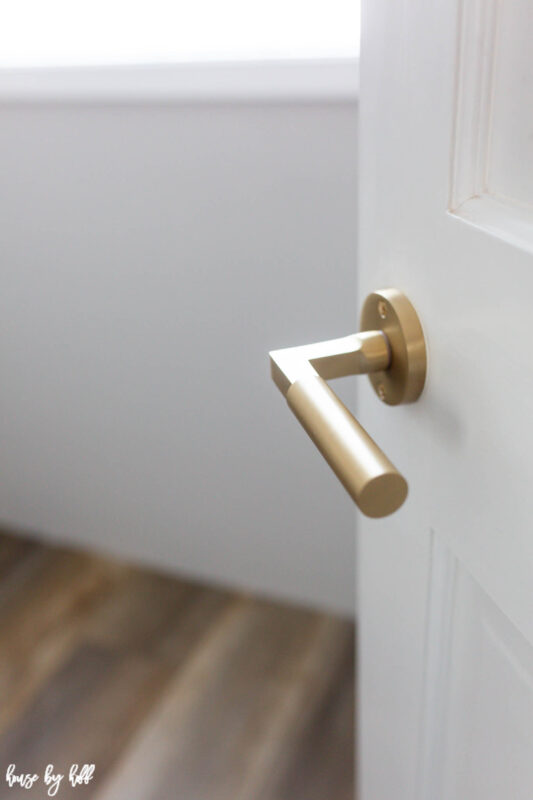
174,690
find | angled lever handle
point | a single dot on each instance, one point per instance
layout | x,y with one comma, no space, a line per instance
391,350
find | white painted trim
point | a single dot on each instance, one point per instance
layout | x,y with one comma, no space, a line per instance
441,604
474,91
502,217
333,80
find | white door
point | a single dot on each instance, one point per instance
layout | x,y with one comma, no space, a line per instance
446,584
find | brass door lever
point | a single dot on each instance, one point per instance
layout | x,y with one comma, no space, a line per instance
390,348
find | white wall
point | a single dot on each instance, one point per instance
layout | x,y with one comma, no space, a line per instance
151,255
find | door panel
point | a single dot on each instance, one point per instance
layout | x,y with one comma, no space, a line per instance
445,216
490,719
492,147
509,169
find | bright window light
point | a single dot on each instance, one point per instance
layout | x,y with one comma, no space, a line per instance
51,33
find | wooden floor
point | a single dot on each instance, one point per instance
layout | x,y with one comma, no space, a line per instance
174,690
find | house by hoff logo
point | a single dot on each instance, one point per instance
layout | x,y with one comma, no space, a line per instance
77,776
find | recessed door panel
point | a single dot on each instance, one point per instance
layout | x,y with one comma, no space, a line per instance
489,730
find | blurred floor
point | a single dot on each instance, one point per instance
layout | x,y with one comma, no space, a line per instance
174,690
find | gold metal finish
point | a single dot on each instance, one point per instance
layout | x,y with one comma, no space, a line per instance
402,381
391,350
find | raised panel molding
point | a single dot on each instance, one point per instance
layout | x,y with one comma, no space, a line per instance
489,724
491,169
477,724
474,80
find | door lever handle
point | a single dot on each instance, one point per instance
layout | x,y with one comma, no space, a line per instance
390,348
